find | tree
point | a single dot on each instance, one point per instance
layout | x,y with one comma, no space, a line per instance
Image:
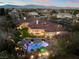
2,11
69,47
73,48
24,32
21,34
75,27
17,36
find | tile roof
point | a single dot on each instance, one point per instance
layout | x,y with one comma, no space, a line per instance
46,25
18,22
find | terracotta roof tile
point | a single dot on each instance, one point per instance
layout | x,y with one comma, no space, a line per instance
47,26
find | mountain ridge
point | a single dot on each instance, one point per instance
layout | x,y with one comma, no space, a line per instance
35,7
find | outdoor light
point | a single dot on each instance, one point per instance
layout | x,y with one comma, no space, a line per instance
43,41
20,27
12,40
43,54
46,53
39,54
32,42
20,35
17,48
43,50
32,56
17,27
58,33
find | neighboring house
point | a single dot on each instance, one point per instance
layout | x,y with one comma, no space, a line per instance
77,15
54,15
41,17
75,21
45,28
64,15
14,12
33,13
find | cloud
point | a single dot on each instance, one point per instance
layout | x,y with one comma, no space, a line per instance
1,2
41,0
73,2
45,4
20,3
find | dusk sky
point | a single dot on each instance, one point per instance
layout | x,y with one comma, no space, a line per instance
59,3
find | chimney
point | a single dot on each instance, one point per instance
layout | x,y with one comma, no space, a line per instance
24,18
37,21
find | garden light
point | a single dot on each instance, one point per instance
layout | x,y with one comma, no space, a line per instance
39,54
32,56
46,53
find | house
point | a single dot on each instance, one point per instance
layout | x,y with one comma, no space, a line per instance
33,13
41,17
64,15
77,15
14,12
41,28
45,28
